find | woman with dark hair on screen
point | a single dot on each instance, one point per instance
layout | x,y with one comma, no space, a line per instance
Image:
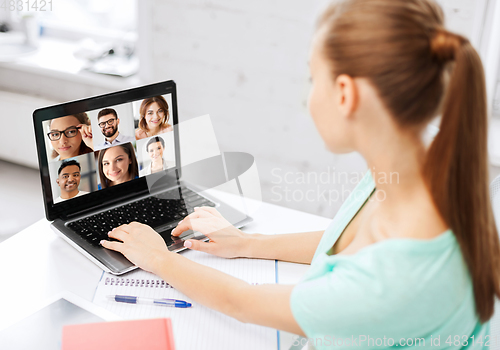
155,148
117,165
69,136
417,258
154,117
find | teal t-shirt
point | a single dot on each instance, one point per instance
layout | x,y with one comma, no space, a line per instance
391,294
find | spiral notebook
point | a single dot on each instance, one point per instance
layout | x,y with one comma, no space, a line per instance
198,327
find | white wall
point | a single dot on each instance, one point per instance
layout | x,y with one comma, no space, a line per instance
17,136
245,63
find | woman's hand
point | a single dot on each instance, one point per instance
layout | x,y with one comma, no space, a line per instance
142,245
139,134
86,131
225,240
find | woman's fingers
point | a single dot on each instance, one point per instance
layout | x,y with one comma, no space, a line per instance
118,234
85,130
194,244
124,227
176,231
203,225
179,229
184,224
200,213
210,210
134,225
204,219
118,246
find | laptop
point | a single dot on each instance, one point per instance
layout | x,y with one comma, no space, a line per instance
112,159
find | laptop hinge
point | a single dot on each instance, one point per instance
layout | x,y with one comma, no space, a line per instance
102,206
120,200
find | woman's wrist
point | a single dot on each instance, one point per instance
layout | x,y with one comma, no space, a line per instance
250,245
160,261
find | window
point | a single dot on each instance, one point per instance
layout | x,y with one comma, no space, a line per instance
73,19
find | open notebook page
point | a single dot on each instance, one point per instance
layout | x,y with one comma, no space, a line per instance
197,327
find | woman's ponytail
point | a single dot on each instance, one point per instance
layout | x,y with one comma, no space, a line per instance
456,167
421,70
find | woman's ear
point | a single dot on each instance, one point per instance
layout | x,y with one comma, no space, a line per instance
347,95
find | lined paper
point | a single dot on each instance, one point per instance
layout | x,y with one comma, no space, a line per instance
198,327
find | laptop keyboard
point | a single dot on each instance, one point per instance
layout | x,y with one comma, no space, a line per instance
163,211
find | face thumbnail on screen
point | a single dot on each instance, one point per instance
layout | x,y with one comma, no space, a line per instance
97,149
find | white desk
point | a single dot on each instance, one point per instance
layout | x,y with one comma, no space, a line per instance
36,264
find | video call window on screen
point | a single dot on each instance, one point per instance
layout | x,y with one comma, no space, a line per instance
97,149
116,165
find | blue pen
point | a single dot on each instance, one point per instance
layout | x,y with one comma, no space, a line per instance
159,302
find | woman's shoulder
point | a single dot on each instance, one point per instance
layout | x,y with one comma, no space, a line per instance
400,266
394,282
407,255
166,128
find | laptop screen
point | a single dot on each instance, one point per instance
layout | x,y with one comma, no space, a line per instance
100,150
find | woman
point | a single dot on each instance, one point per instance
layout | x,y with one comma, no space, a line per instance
155,148
421,263
154,116
69,136
117,165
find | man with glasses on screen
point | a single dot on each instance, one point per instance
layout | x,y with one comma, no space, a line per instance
68,180
108,123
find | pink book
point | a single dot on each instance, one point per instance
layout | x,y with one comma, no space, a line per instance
153,334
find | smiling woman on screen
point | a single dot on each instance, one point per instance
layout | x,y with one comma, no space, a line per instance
155,148
421,263
154,117
67,136
116,165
